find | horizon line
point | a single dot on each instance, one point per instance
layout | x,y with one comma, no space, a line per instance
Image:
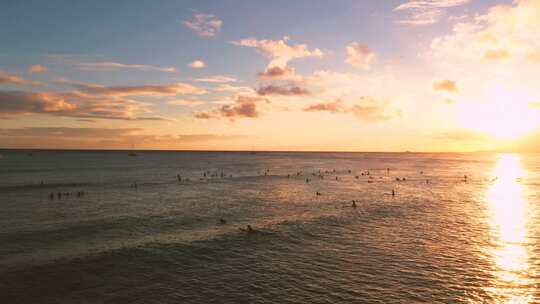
257,151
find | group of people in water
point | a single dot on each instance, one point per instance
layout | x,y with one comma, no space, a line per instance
206,175
59,195
221,174
320,175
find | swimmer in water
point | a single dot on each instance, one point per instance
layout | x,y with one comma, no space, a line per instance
222,221
248,229
393,193
353,204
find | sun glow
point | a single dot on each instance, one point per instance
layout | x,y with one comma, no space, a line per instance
508,209
506,114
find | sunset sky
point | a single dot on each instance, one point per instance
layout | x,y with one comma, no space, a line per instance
341,75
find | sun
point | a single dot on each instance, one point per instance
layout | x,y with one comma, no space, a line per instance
504,115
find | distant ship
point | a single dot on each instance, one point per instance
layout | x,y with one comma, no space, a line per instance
132,153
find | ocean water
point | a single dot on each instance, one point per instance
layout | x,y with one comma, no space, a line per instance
442,238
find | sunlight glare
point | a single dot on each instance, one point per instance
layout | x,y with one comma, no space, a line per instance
508,209
505,115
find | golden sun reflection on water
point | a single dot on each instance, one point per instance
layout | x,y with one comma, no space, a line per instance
508,208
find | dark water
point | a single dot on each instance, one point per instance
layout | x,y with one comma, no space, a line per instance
441,239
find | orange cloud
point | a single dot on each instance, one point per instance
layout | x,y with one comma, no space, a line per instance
371,110
186,102
142,90
461,135
6,78
197,64
445,85
116,138
367,109
71,104
37,68
500,54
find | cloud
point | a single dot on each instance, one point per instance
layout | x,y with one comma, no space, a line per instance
285,90
246,109
367,109
197,64
445,85
500,54
37,68
11,79
205,25
68,132
238,90
423,17
278,51
111,66
186,102
242,107
6,78
217,79
196,138
359,55
504,32
332,107
70,104
279,73
117,138
460,135
371,110
141,90
204,115
424,12
534,105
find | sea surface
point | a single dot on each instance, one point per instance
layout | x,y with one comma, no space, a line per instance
460,228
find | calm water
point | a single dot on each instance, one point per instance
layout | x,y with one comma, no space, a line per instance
443,241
